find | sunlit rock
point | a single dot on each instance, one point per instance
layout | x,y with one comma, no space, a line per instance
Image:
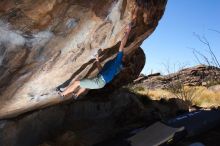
46,42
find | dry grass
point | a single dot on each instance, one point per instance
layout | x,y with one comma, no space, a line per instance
158,94
202,96
207,98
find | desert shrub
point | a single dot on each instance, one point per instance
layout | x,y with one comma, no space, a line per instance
181,91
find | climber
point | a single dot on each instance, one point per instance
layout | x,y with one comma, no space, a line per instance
106,74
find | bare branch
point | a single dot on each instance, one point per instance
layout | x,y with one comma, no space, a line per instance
194,53
199,38
214,30
205,41
203,56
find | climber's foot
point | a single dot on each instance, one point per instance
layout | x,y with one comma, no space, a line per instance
60,89
61,95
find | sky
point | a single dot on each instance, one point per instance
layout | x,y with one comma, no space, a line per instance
170,45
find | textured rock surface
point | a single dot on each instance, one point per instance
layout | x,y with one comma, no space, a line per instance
85,122
43,43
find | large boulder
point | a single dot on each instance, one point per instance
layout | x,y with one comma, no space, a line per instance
85,122
46,42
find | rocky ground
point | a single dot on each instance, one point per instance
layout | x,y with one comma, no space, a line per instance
200,75
209,138
200,85
90,120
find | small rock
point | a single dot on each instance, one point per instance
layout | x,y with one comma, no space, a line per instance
215,88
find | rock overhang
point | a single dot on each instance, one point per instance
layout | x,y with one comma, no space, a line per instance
45,43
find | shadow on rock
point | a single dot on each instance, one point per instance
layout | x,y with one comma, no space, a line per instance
87,121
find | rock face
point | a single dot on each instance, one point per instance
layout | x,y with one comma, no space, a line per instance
200,75
85,122
90,122
46,42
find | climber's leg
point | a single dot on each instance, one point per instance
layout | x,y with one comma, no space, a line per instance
93,83
71,88
79,92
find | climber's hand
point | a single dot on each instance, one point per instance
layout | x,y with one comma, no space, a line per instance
97,57
99,66
127,29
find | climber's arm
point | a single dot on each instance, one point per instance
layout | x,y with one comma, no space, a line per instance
125,38
99,66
